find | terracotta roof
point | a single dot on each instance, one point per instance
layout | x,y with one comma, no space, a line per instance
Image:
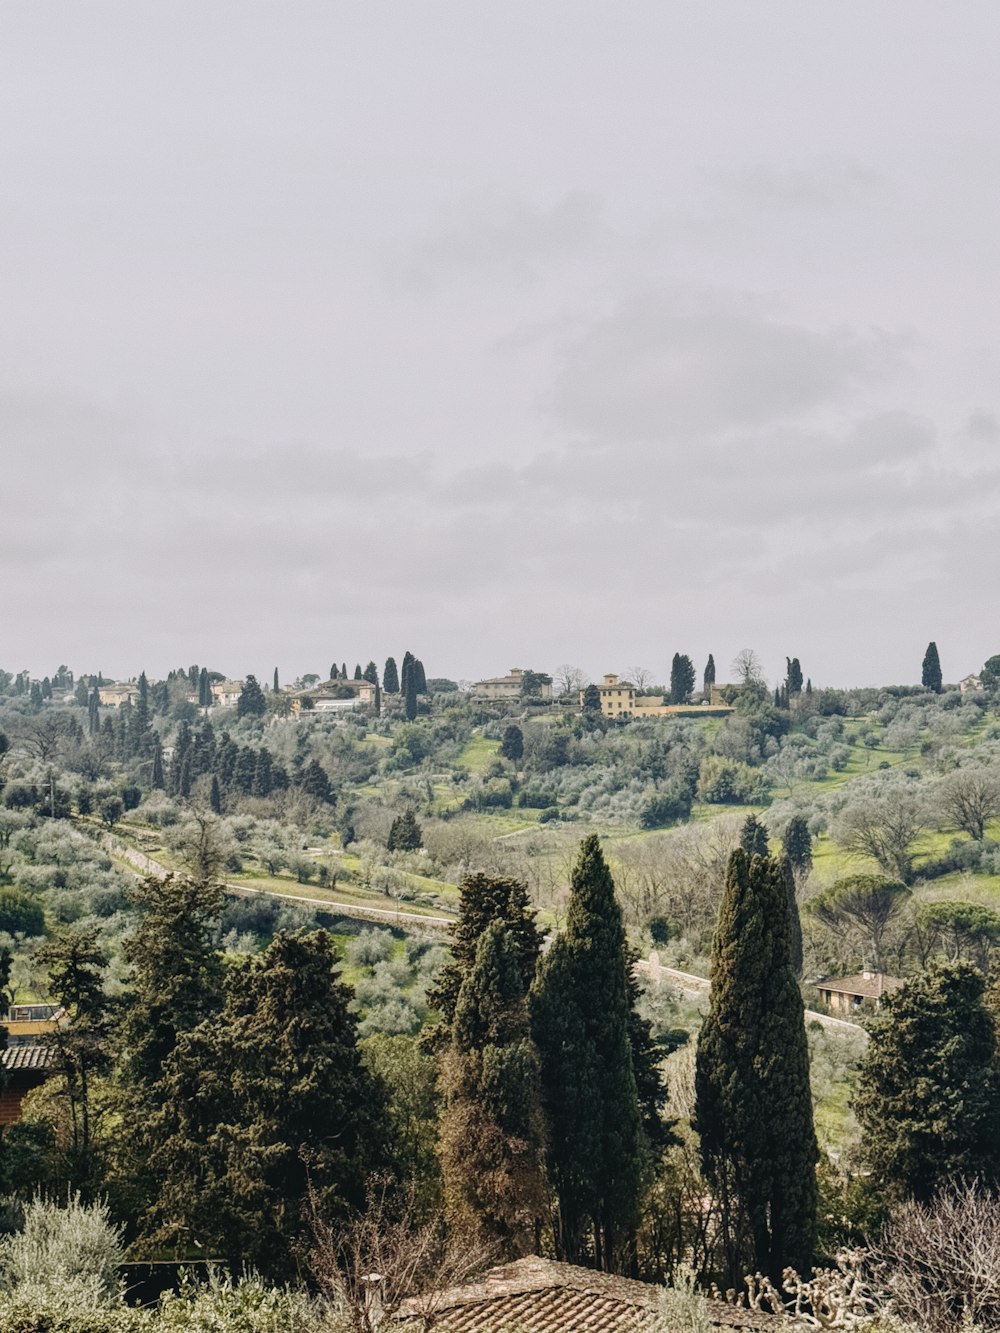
869,985
541,1296
27,1057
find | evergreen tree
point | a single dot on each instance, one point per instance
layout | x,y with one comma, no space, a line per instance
793,676
93,716
777,697
289,1108
598,1154
930,674
419,679
334,673
681,678
592,699
404,670
343,671
377,701
262,781
512,745
809,686
483,900
405,834
184,778
928,1099
409,694
75,964
794,920
753,836
204,689
708,680
275,685
753,1101
252,702
357,672
390,677
371,673
174,982
157,774
798,844
215,797
492,1127
315,782
244,770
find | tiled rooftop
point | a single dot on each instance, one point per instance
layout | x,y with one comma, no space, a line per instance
27,1057
540,1296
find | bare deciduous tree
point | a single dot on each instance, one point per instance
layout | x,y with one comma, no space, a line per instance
747,667
640,676
970,798
884,828
570,679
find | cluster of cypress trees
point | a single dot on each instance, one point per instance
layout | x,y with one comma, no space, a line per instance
552,1096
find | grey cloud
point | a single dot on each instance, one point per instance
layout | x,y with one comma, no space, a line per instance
674,364
502,238
821,186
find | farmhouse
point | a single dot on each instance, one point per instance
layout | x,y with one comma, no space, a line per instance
971,684
226,693
508,689
333,695
846,995
116,693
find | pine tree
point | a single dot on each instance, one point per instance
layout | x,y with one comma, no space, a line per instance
252,701
371,673
267,1104
798,844
598,1154
753,836
492,1128
390,677
930,675
483,900
753,1101
681,678
512,745
928,1099
215,796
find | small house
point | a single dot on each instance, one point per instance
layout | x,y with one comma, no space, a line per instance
28,1059
846,995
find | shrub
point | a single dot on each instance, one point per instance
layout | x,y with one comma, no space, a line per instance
19,914
731,782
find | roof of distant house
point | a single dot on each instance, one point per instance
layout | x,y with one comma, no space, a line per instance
869,985
542,1296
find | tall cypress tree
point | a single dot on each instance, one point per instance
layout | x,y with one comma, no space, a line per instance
157,776
798,843
419,679
492,1134
599,1154
708,680
753,1101
753,836
275,686
357,672
681,678
930,674
793,676
215,796
409,694
390,676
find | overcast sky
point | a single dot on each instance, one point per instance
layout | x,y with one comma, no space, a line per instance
509,333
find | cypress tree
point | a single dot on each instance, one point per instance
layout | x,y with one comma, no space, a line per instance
93,716
598,1154
371,673
333,672
798,844
275,686
343,671
809,686
793,676
753,836
708,679
315,782
928,1099
419,679
157,777
930,674
390,677
262,773
215,796
405,834
204,689
492,1127
409,694
753,1101
777,697
483,900
357,672
377,701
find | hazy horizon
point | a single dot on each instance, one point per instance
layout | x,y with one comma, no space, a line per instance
510,334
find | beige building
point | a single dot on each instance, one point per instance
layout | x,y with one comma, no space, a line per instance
333,696
226,693
846,995
621,699
507,689
116,693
